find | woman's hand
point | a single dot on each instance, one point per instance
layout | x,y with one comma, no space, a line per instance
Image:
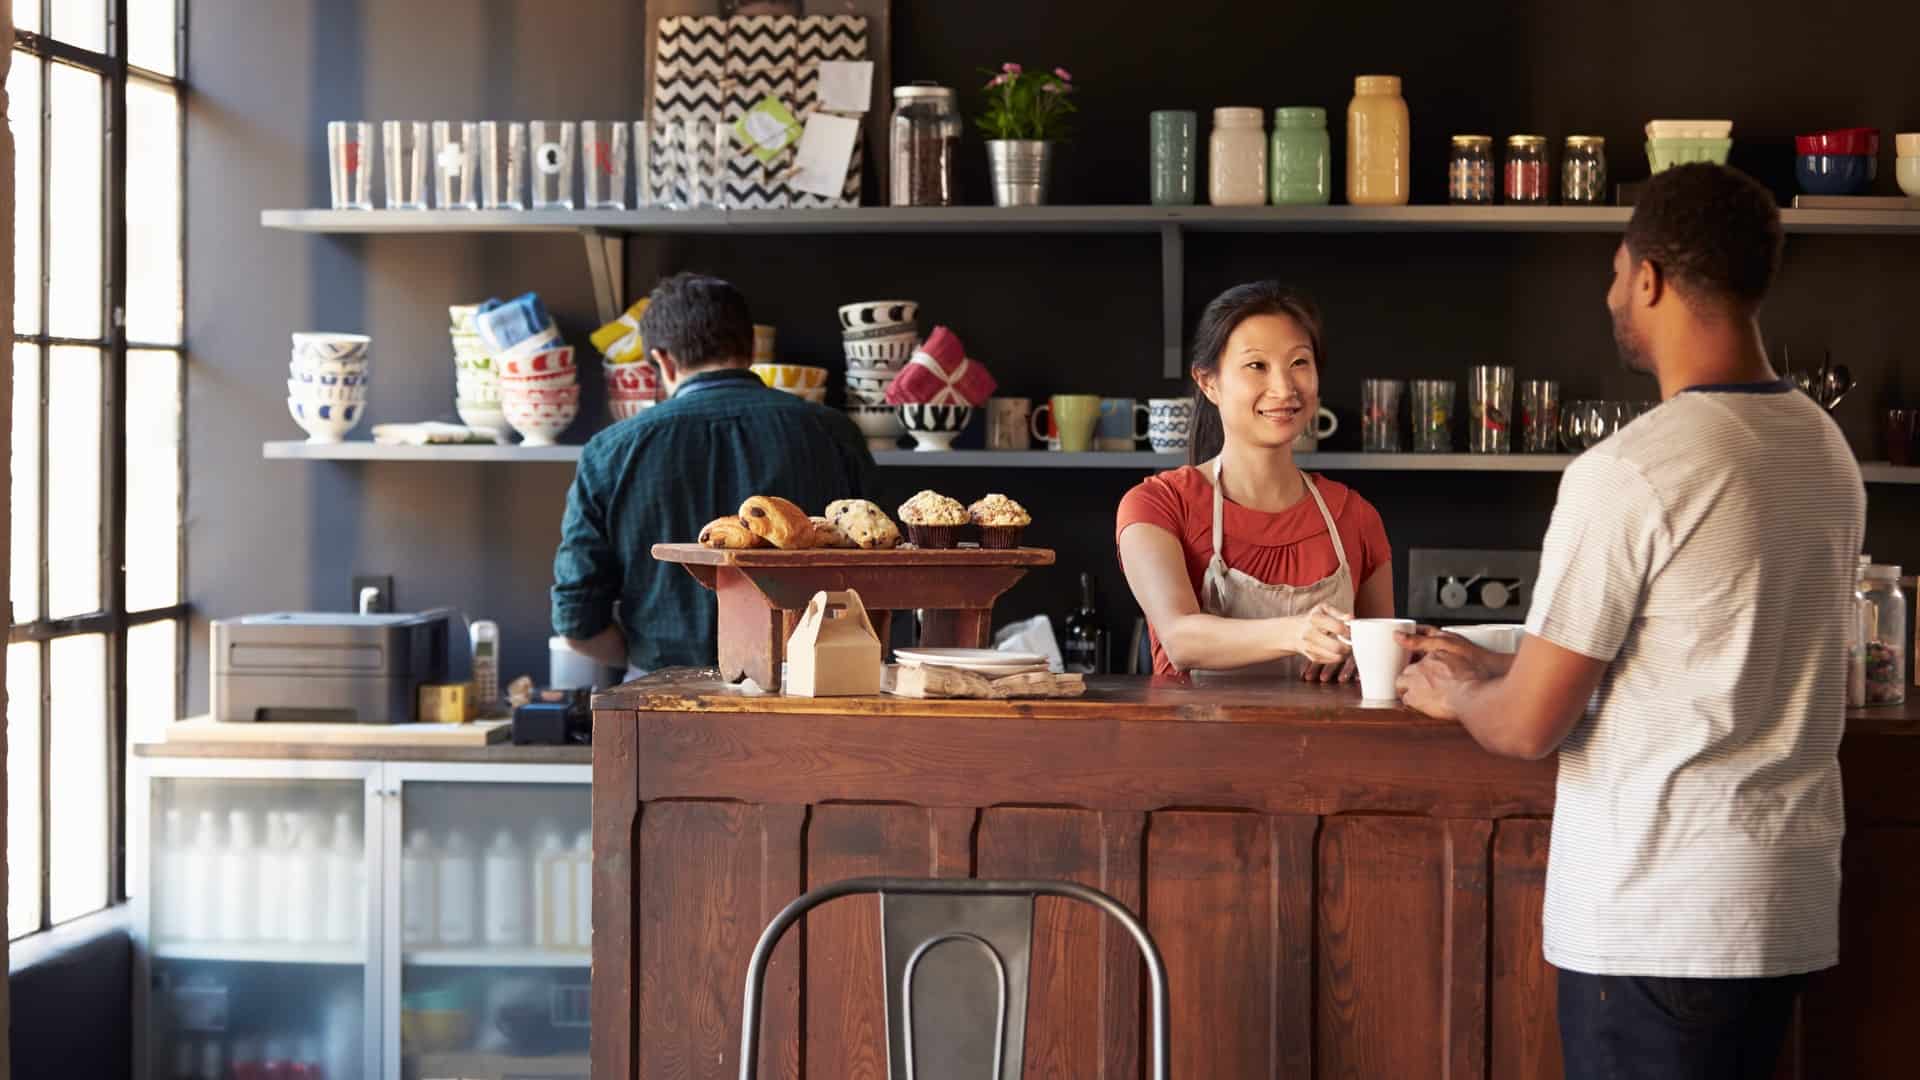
1321,636
1342,672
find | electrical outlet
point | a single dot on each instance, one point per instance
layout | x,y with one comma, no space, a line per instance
1464,586
383,597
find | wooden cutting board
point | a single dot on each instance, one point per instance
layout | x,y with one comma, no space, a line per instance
478,733
922,681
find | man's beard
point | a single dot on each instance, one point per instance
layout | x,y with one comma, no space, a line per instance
1632,349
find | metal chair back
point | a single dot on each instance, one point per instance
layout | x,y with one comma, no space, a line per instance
957,959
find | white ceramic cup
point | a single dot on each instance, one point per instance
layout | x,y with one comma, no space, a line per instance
1321,426
1379,655
1494,637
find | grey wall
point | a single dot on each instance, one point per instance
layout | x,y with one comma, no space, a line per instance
1050,314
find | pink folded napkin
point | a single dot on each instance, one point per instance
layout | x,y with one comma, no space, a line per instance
941,374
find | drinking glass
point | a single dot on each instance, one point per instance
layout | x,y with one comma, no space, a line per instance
1539,416
1573,426
407,156
456,160
550,143
350,164
1490,408
1598,423
1432,416
1380,415
642,164
603,165
503,166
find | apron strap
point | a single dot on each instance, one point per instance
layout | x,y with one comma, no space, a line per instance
1216,508
1339,549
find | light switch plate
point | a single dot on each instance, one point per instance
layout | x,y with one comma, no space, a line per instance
1428,569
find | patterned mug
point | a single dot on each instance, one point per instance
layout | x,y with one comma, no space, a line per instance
1169,424
1009,423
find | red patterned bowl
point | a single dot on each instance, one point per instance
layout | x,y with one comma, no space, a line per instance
536,364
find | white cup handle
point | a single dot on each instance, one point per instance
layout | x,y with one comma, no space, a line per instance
1333,423
1034,426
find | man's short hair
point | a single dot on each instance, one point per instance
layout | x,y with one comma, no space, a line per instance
1714,233
702,321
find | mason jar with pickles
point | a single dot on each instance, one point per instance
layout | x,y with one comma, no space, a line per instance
1583,171
1527,170
1470,171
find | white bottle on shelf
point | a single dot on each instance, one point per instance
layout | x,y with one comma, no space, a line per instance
508,881
583,890
419,912
238,882
168,896
552,891
270,888
458,892
346,883
199,894
306,872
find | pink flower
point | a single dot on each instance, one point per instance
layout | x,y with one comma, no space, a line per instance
1010,68
1054,88
1065,75
997,80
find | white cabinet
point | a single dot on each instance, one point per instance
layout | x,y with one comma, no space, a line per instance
408,919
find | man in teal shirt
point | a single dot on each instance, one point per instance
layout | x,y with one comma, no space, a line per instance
721,437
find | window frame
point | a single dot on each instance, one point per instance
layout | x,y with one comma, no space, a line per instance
112,620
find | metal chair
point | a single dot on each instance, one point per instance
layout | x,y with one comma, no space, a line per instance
942,930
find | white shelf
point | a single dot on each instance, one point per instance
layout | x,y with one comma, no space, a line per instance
262,952
498,958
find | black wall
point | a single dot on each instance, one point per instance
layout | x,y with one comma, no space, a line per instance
1048,314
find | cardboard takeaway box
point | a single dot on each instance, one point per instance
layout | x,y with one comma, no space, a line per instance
833,651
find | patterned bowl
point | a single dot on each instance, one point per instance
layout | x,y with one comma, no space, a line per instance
886,353
546,362
551,380
539,424
482,414
325,422
879,423
623,407
934,427
791,377
321,346
632,379
317,392
873,314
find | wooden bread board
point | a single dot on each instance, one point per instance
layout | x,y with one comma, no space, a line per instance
478,733
923,681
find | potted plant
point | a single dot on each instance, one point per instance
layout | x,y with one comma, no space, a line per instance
1026,113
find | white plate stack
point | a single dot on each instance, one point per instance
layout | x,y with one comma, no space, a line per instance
327,382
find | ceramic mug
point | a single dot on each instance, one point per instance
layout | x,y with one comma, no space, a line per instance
1119,427
1009,423
1074,415
1169,424
1322,426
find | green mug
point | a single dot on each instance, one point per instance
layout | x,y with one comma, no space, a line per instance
1070,423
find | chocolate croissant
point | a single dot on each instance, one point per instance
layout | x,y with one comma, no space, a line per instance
828,535
778,522
728,532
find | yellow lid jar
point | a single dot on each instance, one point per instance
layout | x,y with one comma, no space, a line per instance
1379,144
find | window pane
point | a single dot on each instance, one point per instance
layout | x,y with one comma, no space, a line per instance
152,679
74,202
23,789
25,586
79,22
150,25
73,481
77,847
23,113
153,214
153,479
26,15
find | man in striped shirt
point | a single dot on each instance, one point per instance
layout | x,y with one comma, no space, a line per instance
1685,654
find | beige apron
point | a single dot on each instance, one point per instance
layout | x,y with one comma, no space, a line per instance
1230,594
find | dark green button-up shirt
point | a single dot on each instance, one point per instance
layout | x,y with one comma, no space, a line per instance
660,476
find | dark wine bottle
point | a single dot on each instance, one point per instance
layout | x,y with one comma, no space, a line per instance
1085,647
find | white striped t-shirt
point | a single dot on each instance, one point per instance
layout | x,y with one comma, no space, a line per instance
1708,552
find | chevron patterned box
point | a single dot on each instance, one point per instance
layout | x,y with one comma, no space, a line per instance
762,55
689,85
828,37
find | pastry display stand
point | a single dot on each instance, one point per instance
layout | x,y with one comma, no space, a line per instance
762,592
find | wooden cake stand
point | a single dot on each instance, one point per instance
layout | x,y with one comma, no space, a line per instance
763,591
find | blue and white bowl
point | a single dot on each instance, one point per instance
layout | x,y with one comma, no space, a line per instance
326,422
320,347
329,393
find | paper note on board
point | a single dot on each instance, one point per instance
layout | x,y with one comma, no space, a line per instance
846,85
826,151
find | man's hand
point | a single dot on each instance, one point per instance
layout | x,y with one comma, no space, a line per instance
1446,664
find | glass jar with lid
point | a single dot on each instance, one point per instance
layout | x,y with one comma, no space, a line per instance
1302,169
1379,143
1237,170
1877,661
925,138
1526,169
1583,171
1470,170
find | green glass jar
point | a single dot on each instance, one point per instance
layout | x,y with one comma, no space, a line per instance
1301,166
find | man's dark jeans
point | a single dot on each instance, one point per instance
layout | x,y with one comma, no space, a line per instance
1629,1027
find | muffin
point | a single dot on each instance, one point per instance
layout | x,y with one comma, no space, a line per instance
1001,521
933,520
864,523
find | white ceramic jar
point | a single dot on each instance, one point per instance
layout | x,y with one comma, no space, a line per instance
1237,158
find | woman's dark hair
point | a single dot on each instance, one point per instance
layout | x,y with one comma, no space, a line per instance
1217,324
702,321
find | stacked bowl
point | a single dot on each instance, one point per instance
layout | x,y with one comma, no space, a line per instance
1839,162
539,391
327,383
476,393
631,387
1907,164
879,337
799,380
1688,142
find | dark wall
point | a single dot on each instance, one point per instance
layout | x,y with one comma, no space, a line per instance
72,1011
1049,314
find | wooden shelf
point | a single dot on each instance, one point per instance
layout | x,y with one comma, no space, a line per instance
262,952
498,958
1041,219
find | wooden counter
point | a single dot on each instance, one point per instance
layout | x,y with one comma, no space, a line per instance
1337,890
